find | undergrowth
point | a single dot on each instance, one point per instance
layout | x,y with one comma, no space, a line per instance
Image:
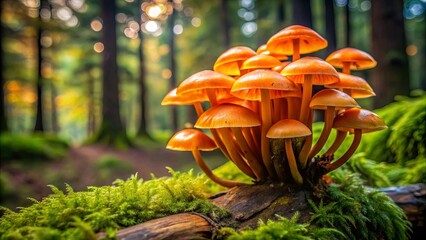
80,215
34,147
349,211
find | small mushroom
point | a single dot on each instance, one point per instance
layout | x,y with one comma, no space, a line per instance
288,129
172,99
295,40
357,121
229,62
351,59
354,86
194,140
329,100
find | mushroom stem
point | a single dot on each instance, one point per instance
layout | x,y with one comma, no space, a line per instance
265,109
253,163
210,174
211,94
280,109
340,136
346,67
198,108
328,125
293,108
345,157
251,141
292,162
306,98
233,150
296,49
219,143
304,152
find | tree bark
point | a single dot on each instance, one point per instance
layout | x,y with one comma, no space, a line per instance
225,24
302,13
270,200
347,25
3,119
330,26
391,76
172,64
142,131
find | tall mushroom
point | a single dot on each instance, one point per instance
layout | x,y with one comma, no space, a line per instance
260,85
329,100
357,121
288,129
295,40
195,141
194,98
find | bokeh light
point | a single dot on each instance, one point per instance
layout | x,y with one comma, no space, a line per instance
411,50
98,47
249,28
166,73
196,22
178,29
152,26
96,25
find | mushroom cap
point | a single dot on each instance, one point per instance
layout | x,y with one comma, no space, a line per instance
359,87
288,128
228,115
309,40
184,99
229,62
249,85
200,81
334,98
358,118
263,50
321,71
190,139
261,61
359,59
281,67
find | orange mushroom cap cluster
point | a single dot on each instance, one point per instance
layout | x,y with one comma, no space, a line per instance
255,99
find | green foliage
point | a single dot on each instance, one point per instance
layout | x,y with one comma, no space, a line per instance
31,147
359,212
283,228
404,140
79,215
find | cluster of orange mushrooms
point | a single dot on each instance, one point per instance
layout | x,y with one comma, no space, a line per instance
261,107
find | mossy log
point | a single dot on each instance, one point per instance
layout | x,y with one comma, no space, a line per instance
249,204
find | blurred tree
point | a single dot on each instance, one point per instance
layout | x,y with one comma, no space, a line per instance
391,76
3,119
39,125
330,25
111,130
142,131
172,63
224,17
302,13
348,29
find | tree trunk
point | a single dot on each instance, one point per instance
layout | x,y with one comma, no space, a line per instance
270,201
3,119
391,76
302,13
39,126
330,26
225,24
91,122
172,62
54,110
142,131
111,130
347,25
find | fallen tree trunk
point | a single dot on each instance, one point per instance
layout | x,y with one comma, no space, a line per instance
269,201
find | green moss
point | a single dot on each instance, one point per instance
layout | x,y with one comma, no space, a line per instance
31,147
79,215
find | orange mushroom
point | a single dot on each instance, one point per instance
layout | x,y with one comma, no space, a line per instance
263,50
329,100
351,58
230,120
358,121
258,85
194,140
288,129
295,40
352,85
172,99
260,62
230,61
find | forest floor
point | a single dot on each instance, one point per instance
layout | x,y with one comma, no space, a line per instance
92,165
